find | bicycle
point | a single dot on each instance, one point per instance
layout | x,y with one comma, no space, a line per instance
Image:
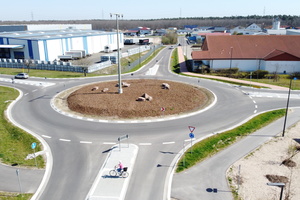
123,173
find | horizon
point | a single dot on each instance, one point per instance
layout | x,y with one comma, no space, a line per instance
132,10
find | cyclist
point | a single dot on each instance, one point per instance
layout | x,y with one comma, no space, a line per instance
120,166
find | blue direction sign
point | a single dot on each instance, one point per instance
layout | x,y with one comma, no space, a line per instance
33,145
191,135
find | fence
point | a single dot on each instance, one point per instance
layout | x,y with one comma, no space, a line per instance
67,66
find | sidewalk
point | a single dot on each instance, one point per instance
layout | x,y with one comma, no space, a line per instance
183,69
110,187
207,180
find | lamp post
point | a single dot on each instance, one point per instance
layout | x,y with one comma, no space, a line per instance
287,106
281,185
231,48
119,64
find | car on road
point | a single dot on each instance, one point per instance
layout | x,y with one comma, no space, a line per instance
22,76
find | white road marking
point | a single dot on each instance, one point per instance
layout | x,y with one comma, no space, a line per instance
25,94
46,136
254,101
145,144
255,111
152,70
85,142
65,140
109,143
255,106
168,142
34,90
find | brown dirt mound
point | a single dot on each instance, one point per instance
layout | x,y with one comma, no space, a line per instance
180,98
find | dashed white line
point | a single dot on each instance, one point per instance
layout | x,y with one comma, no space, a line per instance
168,142
65,140
255,111
25,94
109,143
34,90
255,106
145,144
46,136
254,101
85,142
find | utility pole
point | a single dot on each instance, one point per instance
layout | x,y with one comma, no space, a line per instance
118,46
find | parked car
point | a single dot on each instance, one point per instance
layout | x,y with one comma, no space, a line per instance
22,76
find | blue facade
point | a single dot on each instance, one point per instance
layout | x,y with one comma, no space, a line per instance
30,50
46,50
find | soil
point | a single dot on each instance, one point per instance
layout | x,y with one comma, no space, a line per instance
276,161
92,101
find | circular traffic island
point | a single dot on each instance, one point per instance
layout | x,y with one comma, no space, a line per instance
141,99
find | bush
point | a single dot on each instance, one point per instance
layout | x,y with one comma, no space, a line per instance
260,74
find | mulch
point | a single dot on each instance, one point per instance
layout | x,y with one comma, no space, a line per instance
180,98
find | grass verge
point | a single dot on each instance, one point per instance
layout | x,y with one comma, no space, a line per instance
14,196
15,144
210,146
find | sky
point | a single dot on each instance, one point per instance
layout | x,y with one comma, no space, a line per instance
20,10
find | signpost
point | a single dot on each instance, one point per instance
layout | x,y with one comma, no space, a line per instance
123,137
18,172
192,136
163,109
33,145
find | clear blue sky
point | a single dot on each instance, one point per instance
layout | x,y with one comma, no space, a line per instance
141,9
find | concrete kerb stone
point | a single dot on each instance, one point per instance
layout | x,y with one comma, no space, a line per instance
107,187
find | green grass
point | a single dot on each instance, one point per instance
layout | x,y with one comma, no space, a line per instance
216,143
45,73
175,65
15,144
14,196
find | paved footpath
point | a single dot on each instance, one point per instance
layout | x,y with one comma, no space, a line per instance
207,180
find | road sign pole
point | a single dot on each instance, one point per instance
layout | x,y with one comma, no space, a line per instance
34,158
183,154
18,172
191,145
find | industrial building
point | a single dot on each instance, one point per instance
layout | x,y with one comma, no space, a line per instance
48,45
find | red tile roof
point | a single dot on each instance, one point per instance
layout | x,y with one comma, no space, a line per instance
250,47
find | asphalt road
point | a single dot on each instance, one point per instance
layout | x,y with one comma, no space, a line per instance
79,146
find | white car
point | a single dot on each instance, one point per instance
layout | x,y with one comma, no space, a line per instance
22,76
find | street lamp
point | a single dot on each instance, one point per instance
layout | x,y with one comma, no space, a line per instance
231,48
119,64
281,185
287,106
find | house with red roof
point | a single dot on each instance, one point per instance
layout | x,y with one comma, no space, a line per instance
273,53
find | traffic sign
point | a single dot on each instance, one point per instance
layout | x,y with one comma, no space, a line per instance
191,135
163,109
191,128
33,145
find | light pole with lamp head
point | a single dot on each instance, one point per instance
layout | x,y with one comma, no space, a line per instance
231,48
118,46
281,185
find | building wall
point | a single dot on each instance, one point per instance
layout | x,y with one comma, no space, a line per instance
243,65
281,67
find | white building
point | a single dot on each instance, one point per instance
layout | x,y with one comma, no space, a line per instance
44,27
47,45
252,29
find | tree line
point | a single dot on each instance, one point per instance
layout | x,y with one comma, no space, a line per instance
164,23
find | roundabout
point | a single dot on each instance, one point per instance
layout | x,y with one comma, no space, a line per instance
101,102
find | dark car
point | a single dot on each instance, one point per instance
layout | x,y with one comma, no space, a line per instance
22,76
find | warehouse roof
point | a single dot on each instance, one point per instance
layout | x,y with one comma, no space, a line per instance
269,47
51,34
